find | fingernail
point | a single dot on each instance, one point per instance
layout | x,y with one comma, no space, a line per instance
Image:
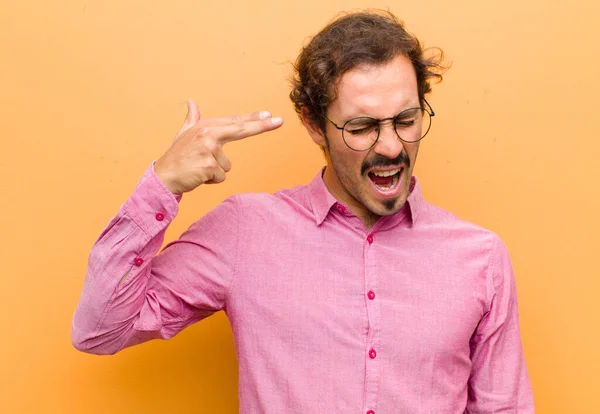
265,114
277,120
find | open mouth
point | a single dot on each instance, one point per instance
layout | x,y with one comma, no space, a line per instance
386,182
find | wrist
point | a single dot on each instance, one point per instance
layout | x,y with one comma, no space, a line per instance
165,178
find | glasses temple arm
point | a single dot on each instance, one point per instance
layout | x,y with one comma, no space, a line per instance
430,108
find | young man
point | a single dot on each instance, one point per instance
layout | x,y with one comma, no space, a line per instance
350,294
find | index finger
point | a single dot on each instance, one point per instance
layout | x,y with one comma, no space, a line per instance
234,119
244,129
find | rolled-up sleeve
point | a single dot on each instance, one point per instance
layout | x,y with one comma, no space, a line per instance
499,382
132,293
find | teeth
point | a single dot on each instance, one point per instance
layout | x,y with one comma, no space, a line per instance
394,182
386,173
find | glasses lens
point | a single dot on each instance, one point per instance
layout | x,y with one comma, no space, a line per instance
412,124
361,133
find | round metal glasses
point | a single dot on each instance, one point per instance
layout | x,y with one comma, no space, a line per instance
411,125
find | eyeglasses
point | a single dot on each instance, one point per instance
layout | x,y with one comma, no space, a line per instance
411,125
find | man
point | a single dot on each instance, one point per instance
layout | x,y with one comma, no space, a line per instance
350,294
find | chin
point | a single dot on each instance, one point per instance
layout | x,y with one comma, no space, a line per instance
389,207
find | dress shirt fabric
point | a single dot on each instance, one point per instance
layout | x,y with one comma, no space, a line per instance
417,314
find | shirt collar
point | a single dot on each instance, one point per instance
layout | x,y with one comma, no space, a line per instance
415,199
321,199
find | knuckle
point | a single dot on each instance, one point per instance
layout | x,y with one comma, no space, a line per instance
209,145
203,132
211,163
238,121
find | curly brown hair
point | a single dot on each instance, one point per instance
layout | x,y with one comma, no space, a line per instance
366,37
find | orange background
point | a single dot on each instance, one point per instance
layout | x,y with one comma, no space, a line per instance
91,92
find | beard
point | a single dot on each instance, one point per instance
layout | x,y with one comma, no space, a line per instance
359,189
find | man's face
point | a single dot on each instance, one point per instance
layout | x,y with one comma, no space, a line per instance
354,178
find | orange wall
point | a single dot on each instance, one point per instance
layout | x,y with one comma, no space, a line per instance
91,92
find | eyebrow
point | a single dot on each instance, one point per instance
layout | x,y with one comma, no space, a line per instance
414,107
379,119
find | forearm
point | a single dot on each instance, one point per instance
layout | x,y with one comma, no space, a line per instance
107,317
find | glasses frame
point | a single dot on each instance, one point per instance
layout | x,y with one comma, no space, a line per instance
431,113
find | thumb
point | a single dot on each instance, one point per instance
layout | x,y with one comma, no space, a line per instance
193,114
192,117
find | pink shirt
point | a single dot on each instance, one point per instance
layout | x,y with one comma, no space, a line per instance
416,315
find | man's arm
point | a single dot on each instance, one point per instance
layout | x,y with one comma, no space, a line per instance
132,295
499,381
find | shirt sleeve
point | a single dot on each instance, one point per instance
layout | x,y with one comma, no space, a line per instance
132,293
499,381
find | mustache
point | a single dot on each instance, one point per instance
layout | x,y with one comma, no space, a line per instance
379,161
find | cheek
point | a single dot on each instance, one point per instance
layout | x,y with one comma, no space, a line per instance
356,161
412,151
351,160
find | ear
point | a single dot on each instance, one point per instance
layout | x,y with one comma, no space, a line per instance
313,129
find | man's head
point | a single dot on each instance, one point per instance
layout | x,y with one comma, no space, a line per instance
364,65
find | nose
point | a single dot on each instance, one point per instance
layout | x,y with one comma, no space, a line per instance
388,144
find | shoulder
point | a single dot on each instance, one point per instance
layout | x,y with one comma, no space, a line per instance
281,203
470,245
432,215
458,231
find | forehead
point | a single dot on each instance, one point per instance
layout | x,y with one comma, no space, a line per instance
378,91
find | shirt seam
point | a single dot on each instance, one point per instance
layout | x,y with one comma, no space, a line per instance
133,218
236,253
301,188
491,269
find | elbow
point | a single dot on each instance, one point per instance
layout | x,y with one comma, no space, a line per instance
87,338
85,342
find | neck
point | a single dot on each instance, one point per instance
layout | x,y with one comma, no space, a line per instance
341,195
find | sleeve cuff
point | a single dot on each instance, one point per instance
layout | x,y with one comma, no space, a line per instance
152,206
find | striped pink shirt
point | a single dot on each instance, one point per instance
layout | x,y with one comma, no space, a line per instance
416,315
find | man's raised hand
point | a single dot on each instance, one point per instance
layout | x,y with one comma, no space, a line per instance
196,156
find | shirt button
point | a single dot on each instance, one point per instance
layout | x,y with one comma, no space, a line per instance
160,216
371,295
372,353
138,261
370,412
341,209
370,239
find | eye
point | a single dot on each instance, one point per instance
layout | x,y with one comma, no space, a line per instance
408,118
361,126
360,131
404,123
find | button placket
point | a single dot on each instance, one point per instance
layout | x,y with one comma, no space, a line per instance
373,314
